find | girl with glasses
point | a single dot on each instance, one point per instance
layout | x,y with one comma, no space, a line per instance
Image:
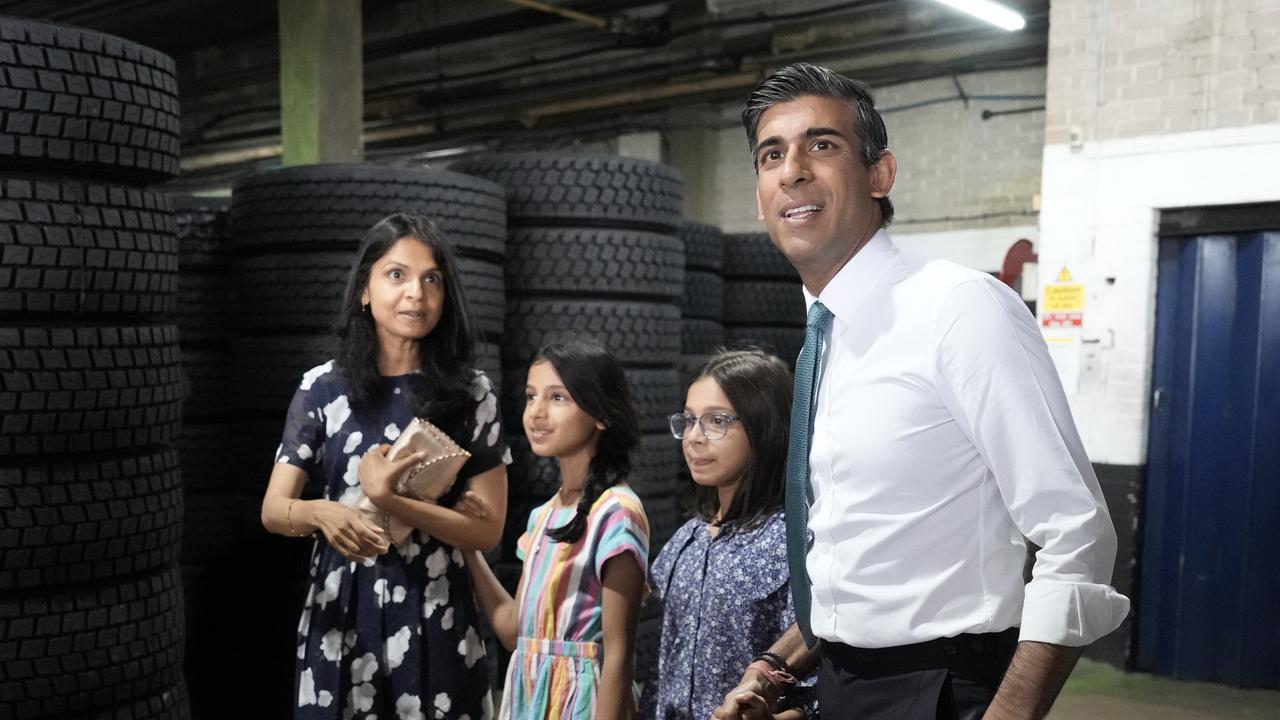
722,578
585,551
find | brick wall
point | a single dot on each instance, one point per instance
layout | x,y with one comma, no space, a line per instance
1130,68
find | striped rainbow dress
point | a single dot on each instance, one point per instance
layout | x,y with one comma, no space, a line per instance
555,670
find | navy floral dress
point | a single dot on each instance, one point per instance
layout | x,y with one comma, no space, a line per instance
724,600
393,637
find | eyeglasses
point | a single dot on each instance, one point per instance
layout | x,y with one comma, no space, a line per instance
714,425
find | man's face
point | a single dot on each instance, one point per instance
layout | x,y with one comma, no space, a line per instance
814,193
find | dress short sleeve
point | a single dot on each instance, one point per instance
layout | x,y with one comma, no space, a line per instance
622,528
302,443
483,434
526,538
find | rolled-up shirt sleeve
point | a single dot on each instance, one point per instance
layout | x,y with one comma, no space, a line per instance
1001,386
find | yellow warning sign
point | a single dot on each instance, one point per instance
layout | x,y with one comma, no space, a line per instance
1064,276
1064,298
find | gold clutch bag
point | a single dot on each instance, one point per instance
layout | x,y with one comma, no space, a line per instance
426,480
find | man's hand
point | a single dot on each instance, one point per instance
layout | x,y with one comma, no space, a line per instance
1031,684
749,701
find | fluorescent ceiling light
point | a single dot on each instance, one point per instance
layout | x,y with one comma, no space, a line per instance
992,12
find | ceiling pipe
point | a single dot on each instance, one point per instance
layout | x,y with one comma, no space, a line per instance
596,22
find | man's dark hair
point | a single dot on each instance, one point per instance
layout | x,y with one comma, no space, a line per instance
803,79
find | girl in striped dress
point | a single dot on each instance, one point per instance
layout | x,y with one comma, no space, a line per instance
585,551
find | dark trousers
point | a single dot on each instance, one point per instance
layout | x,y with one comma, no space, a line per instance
945,679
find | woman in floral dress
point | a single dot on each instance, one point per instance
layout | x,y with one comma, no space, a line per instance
391,631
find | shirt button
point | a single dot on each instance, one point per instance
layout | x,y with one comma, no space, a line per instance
808,536
949,650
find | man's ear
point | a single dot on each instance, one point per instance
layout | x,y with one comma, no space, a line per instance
882,174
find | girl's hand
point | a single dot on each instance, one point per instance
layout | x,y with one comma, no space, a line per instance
378,474
471,504
347,531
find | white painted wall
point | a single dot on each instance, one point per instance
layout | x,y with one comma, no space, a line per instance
1099,216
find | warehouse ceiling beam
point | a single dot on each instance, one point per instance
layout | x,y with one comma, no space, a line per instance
321,81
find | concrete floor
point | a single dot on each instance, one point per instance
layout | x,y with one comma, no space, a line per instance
1097,691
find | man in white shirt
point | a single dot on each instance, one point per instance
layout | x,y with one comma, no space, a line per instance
934,437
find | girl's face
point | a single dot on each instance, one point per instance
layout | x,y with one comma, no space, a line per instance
715,463
553,422
405,293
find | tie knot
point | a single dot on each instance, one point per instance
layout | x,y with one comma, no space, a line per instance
819,317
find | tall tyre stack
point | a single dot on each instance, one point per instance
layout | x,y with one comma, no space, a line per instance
763,302
220,499
295,232
91,616
592,252
702,310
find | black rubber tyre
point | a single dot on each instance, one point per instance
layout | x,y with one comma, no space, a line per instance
216,524
655,466
310,207
207,375
582,190
168,704
88,389
269,369
639,334
529,477
648,640
785,342
101,518
763,302
93,647
602,263
206,307
703,296
79,102
202,225
312,297
70,248
213,460
700,337
655,394
750,256
664,519
703,246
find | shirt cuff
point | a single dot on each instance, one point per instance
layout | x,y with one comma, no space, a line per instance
1070,613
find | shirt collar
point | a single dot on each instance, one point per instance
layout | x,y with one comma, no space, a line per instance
853,283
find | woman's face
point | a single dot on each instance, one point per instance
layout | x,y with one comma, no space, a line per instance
715,463
553,422
405,294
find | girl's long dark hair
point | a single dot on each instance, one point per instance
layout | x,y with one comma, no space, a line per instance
598,384
447,353
759,386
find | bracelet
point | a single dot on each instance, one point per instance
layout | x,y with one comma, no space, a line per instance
289,516
776,661
780,680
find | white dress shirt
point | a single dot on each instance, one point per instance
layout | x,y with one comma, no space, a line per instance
941,438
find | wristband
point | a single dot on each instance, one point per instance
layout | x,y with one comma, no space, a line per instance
779,680
776,661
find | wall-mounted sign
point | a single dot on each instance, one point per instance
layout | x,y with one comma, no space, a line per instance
1063,302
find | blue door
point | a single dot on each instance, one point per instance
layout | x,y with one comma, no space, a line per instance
1209,598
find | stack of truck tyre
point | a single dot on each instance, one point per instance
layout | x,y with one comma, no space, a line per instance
593,252
763,302
91,612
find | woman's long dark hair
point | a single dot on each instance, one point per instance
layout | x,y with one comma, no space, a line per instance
447,353
759,386
598,384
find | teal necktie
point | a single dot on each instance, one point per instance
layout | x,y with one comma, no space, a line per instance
798,490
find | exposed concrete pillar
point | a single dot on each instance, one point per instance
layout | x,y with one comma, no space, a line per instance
321,81
693,145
